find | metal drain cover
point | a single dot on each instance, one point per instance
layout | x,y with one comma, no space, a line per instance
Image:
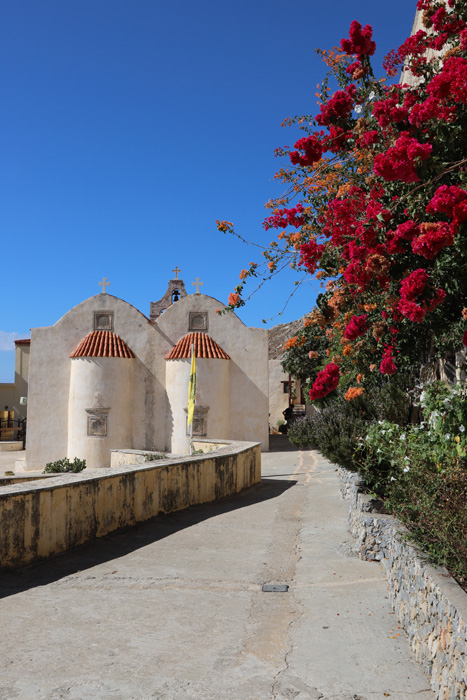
275,588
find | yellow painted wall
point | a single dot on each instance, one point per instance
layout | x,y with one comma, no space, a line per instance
52,515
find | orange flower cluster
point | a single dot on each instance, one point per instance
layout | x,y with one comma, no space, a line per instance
233,299
347,350
353,392
294,342
464,313
312,354
224,226
359,378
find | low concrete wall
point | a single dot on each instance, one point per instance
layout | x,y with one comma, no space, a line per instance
429,604
55,514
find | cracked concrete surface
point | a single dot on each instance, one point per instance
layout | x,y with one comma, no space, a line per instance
173,609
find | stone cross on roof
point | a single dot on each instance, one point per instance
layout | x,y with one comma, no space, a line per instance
197,284
104,284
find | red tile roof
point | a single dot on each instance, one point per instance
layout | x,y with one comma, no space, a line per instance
25,341
205,346
102,344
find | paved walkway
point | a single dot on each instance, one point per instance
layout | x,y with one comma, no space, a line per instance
174,609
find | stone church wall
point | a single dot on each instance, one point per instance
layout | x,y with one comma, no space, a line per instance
248,401
50,375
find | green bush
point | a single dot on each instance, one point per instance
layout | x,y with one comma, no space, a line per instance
154,456
336,428
300,433
64,465
421,471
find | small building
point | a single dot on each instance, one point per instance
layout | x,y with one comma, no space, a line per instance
107,377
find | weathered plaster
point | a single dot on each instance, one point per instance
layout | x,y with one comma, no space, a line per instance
55,514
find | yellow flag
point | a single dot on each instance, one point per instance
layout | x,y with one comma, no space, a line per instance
192,388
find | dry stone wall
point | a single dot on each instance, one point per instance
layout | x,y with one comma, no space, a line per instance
429,604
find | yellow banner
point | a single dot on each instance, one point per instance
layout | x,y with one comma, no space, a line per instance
192,389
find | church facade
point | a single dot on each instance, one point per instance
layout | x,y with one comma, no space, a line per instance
107,377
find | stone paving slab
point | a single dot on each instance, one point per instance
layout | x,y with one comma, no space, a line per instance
174,610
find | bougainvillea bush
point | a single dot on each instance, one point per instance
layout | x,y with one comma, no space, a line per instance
375,207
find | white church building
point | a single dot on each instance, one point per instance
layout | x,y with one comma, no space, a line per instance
107,377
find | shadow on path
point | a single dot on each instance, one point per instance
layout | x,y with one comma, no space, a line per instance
281,443
129,539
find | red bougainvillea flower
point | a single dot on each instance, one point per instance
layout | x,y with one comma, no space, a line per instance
445,200
404,232
310,255
464,339
435,237
451,81
388,365
414,46
359,41
338,108
389,110
336,139
412,287
284,217
312,148
357,326
326,381
400,161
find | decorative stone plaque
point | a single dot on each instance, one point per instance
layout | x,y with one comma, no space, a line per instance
198,321
199,421
97,421
103,320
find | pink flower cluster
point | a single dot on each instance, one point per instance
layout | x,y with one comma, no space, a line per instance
434,237
326,381
451,81
388,365
310,255
357,326
389,110
285,217
312,149
360,41
414,46
404,232
338,108
412,287
451,201
400,161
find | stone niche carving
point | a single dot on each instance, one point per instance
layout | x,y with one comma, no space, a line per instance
198,321
103,320
97,421
199,421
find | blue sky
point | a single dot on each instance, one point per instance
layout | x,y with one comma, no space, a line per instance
129,127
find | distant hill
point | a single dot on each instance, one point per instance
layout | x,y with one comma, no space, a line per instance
279,334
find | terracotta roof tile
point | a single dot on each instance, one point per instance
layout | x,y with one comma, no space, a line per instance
23,341
102,344
205,346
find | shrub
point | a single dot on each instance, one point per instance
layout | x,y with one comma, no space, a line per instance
154,456
421,470
300,433
64,465
335,429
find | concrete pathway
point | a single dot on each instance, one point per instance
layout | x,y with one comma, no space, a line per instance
174,609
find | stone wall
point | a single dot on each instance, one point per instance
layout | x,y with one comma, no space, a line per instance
429,604
61,512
